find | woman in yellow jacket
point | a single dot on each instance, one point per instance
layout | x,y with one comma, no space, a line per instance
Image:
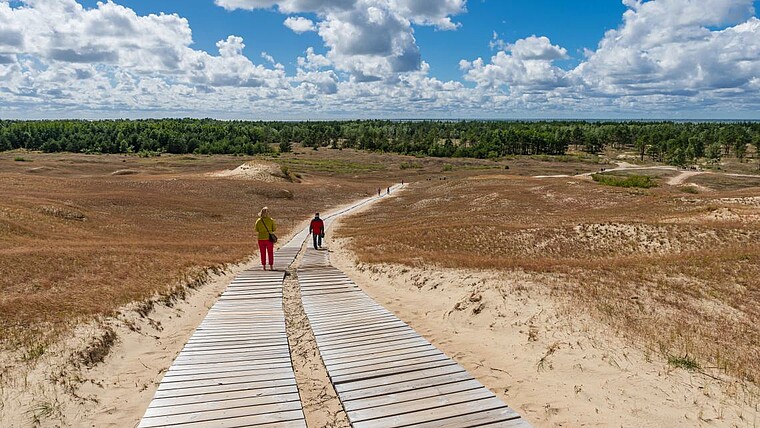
265,227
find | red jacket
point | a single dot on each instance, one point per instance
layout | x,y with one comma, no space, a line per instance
317,226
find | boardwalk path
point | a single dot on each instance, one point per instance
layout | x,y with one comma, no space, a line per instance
236,370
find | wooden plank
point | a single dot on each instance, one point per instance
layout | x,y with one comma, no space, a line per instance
221,369
357,332
399,378
375,369
278,373
502,418
353,377
211,360
371,353
369,343
399,387
373,347
351,329
249,379
226,356
387,359
228,387
379,356
247,416
431,414
222,396
411,395
235,403
384,336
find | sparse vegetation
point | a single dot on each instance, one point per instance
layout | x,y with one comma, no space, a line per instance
34,352
640,181
669,271
78,242
410,165
40,411
685,362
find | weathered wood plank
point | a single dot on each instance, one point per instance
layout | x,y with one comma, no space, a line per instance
222,396
432,414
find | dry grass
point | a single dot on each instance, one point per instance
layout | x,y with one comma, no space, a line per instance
78,239
83,235
677,273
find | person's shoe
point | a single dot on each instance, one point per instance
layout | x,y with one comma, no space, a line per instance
271,267
264,267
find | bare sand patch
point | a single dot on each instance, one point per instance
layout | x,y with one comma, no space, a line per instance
125,172
255,170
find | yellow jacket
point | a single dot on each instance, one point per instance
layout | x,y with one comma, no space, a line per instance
262,231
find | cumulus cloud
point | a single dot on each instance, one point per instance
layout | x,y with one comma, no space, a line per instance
665,55
667,46
313,61
57,56
526,65
373,40
300,24
108,55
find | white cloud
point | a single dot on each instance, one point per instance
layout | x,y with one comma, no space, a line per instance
667,55
667,47
300,24
527,67
313,61
370,39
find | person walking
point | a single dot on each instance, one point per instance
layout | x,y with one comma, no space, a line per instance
265,228
317,229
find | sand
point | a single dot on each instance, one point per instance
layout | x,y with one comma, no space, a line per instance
320,401
115,393
254,170
553,366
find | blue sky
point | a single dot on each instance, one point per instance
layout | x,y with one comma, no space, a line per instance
380,58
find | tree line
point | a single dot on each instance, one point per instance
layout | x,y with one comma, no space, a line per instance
674,143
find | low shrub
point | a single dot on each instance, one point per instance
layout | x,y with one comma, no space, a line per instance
640,181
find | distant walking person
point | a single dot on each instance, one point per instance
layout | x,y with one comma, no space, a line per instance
265,227
378,191
388,192
317,229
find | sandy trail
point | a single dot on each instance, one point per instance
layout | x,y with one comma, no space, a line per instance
321,405
682,177
677,180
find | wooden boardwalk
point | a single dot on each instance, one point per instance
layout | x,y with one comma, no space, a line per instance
385,374
235,370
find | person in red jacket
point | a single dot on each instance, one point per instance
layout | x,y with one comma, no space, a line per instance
317,229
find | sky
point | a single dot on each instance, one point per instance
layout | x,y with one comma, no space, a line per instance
394,59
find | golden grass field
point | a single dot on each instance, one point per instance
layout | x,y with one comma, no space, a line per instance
83,235
673,269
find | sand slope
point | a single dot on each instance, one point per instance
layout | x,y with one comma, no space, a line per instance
556,370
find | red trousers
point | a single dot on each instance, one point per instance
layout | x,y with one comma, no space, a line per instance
266,246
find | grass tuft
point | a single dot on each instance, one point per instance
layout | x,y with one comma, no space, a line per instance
97,350
639,181
686,362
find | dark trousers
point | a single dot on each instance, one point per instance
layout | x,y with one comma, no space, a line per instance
317,240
